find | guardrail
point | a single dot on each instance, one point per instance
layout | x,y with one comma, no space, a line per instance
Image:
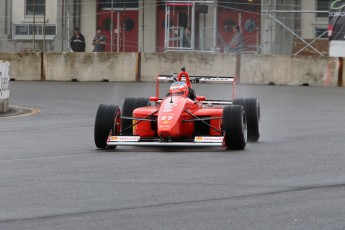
4,86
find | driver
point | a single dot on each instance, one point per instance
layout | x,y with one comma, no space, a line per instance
179,88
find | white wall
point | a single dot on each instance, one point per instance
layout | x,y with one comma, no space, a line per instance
266,28
88,22
209,23
18,13
309,20
147,38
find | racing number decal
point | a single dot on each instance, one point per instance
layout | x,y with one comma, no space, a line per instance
168,107
166,118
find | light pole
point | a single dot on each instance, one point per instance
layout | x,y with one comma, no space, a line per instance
34,25
44,28
112,26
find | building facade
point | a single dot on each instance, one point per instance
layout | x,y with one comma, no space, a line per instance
268,26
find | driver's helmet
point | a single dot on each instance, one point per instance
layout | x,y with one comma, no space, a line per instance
179,88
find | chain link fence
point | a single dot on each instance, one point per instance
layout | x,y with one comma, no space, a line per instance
282,27
32,33
239,26
295,28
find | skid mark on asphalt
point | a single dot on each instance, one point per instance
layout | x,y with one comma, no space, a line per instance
81,213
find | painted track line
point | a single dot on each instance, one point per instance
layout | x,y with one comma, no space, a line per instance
31,111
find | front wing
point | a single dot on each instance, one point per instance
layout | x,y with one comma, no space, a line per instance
198,141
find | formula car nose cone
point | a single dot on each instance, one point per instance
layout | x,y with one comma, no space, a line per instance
170,118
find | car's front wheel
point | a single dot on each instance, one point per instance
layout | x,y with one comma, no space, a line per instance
129,105
107,119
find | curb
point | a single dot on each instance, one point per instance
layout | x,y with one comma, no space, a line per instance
17,111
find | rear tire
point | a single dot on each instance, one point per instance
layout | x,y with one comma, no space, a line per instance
129,105
238,101
191,94
252,109
234,127
107,118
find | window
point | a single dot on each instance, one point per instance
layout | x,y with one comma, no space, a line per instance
106,4
321,31
26,31
35,7
245,5
322,5
21,30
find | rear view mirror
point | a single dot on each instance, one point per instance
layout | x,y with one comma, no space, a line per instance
200,98
155,99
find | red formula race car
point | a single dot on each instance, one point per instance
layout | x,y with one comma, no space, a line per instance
181,118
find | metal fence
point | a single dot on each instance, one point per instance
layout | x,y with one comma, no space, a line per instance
293,28
286,27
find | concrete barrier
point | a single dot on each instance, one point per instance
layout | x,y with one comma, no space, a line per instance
286,70
4,87
91,66
24,66
204,64
255,69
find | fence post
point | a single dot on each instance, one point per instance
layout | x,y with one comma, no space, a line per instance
340,71
238,68
43,69
138,72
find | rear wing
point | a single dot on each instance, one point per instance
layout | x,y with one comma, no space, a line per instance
198,79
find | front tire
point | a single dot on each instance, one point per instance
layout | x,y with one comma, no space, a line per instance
107,118
129,105
234,127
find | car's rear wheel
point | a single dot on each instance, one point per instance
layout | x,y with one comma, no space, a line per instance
129,105
238,101
234,127
107,119
252,109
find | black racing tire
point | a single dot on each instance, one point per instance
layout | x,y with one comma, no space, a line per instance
234,127
238,101
107,119
191,94
252,109
129,105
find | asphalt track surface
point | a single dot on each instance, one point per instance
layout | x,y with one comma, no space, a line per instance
53,177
